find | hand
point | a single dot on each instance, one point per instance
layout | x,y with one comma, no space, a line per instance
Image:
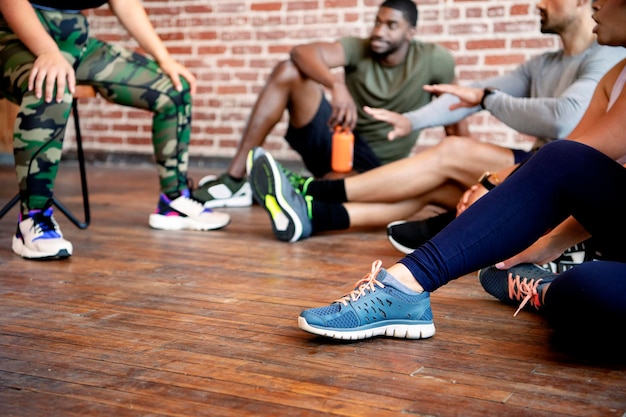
470,96
54,70
401,125
541,252
469,197
344,110
175,70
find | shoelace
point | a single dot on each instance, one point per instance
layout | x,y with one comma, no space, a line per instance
297,181
43,222
368,282
524,290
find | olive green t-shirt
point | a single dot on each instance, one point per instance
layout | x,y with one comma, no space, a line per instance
397,88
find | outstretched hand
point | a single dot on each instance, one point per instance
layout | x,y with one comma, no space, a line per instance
470,96
401,125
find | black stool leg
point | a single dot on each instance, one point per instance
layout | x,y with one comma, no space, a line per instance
9,205
83,176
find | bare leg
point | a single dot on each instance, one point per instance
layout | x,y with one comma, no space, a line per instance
286,89
455,158
381,214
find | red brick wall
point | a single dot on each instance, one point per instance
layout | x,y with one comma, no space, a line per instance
231,46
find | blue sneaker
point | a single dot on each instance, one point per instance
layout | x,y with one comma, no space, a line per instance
521,284
373,308
288,210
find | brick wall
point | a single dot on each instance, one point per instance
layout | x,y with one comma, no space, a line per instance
231,46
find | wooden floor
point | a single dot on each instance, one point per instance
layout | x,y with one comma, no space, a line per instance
141,322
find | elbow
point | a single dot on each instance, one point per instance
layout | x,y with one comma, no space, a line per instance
562,129
566,117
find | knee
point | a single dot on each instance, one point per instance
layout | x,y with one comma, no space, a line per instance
284,72
556,147
50,115
169,100
566,152
455,147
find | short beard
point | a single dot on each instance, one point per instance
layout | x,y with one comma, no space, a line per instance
379,56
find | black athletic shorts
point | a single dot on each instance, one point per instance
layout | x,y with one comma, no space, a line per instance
313,142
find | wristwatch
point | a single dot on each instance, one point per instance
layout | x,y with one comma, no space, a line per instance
487,92
485,182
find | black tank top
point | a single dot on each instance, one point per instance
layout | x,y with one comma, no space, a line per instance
69,4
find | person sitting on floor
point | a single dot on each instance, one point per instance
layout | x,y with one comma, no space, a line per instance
572,188
545,97
388,69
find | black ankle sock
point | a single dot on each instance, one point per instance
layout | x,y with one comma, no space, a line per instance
329,216
330,191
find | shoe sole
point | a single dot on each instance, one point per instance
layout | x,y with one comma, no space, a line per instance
401,331
404,249
160,222
233,202
273,201
20,249
254,154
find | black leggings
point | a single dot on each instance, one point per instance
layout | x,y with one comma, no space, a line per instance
563,178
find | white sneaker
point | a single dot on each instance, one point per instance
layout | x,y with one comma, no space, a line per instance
223,191
184,213
39,237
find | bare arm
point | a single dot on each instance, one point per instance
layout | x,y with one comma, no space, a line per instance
550,246
50,66
133,17
315,61
598,128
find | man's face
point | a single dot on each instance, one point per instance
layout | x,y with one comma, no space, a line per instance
391,31
610,16
557,15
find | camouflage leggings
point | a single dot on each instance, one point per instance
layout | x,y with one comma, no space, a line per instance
119,75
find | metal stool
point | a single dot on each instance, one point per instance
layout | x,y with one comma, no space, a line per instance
82,91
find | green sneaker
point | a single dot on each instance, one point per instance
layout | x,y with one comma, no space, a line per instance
288,210
223,191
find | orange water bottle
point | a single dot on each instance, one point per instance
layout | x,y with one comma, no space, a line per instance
342,150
